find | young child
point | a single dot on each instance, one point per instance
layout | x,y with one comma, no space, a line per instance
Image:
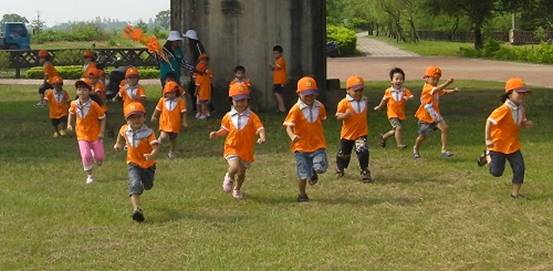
171,111
172,77
98,87
352,112
89,58
58,105
240,126
203,77
142,146
395,98
89,127
240,77
428,113
304,126
50,71
502,134
279,77
130,89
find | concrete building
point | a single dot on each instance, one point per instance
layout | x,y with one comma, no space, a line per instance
243,32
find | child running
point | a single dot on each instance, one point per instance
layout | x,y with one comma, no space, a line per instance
352,112
49,72
89,127
502,134
240,126
304,126
171,112
130,89
142,146
428,113
395,98
58,105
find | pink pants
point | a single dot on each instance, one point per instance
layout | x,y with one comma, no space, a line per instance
91,151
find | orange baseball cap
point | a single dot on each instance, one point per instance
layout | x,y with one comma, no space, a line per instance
239,91
93,73
433,71
43,53
516,84
133,109
170,86
56,80
82,83
355,82
89,54
203,57
132,71
307,86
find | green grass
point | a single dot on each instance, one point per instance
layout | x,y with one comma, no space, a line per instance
431,214
118,42
427,47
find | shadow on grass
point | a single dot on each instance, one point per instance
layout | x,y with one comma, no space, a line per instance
164,215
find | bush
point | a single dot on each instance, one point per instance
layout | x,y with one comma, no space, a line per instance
469,52
4,60
490,48
75,72
542,53
344,37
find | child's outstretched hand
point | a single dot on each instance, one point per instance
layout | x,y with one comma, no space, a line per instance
261,140
456,89
184,125
376,108
69,127
148,156
212,135
528,124
295,138
450,80
153,119
117,147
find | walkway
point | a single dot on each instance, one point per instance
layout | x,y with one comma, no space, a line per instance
376,48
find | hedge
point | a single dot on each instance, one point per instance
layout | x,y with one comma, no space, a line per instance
75,72
542,53
344,37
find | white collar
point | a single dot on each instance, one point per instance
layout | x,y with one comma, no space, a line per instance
351,99
512,105
303,105
234,112
398,90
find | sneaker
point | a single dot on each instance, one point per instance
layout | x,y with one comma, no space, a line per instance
62,133
366,176
303,198
202,117
171,155
339,173
314,178
236,194
55,135
416,155
39,104
382,141
198,114
227,183
483,159
89,179
446,154
138,216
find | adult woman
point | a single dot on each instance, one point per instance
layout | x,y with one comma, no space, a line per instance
175,56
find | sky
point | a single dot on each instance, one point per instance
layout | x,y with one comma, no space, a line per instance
59,11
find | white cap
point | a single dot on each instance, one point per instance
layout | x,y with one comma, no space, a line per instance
174,36
191,34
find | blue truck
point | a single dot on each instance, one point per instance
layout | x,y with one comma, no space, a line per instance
14,36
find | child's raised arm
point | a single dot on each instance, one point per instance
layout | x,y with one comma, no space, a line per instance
290,131
381,104
184,120
119,143
262,136
155,115
442,86
215,134
70,121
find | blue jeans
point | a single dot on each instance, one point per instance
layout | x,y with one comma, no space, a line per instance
140,179
309,162
516,160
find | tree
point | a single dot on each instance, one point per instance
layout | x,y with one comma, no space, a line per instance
37,24
163,18
12,17
142,25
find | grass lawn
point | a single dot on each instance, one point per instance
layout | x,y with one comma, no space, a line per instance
428,47
431,214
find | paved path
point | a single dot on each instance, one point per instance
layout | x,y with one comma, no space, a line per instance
376,48
375,67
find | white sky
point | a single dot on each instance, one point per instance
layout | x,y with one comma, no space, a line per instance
59,11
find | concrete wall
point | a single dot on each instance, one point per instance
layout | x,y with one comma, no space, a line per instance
243,32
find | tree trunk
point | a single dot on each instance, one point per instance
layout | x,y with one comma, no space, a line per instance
478,42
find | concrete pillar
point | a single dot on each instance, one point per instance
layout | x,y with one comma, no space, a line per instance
243,32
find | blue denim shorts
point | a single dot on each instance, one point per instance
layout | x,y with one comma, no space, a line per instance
140,179
309,162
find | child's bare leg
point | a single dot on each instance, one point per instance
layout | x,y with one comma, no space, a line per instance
516,189
397,135
173,145
135,201
444,128
162,137
418,143
388,134
240,177
280,102
301,185
233,168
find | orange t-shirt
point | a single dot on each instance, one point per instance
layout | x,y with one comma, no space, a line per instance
356,125
279,72
245,82
129,95
203,85
58,103
100,89
88,67
170,116
396,102
242,129
307,123
89,116
428,98
506,121
49,72
139,143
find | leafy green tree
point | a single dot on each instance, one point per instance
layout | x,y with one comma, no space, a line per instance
163,18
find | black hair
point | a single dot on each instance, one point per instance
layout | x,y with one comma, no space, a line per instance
278,48
239,68
505,96
171,76
396,70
